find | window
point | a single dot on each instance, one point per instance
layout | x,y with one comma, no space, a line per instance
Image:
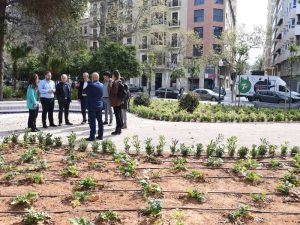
210,69
219,1
85,30
199,15
158,38
80,30
282,88
197,50
293,23
199,31
217,48
144,58
294,3
144,42
199,2
218,15
174,42
129,41
217,31
95,35
174,57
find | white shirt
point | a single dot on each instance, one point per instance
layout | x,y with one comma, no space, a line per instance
85,84
45,86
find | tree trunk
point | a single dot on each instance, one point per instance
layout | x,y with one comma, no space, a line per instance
15,74
103,18
2,32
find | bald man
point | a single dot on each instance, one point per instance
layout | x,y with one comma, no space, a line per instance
63,94
94,92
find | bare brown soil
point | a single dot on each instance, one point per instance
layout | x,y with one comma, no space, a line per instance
229,192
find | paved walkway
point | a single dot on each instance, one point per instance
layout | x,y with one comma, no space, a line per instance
189,133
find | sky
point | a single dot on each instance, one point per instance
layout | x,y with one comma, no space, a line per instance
250,13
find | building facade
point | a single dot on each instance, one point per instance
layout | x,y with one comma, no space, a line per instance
162,29
285,30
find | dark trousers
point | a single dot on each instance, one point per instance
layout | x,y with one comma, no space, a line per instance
118,115
48,107
93,116
64,106
33,114
83,107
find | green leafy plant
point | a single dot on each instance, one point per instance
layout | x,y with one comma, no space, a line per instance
80,221
6,139
10,176
296,161
70,171
195,175
136,144
149,146
83,144
71,141
27,199
48,140
259,198
179,164
88,183
34,217
263,147
126,144
41,138
284,149
32,138
108,217
30,155
253,177
185,150
15,138
97,165
292,178
108,146
160,147
95,146
272,150
232,145
214,162
243,152
26,135
150,189
57,142
82,196
179,217
241,166
36,178
213,145
200,196
142,99
154,207
254,152
240,214
275,164
295,150
173,147
127,164
199,149
189,102
284,187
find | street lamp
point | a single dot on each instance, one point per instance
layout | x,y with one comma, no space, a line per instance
221,63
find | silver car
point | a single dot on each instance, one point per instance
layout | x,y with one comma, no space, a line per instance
208,95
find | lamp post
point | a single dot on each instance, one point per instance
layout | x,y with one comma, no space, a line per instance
221,63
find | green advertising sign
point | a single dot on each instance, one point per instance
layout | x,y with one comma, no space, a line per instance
245,85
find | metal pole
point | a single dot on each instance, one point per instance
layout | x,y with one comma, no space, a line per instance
219,100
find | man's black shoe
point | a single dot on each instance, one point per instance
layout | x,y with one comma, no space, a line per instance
116,132
53,125
105,123
99,138
90,139
68,123
45,126
83,122
36,130
59,124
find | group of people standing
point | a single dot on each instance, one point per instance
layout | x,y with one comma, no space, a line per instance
93,95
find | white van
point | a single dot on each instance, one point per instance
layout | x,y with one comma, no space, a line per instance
247,85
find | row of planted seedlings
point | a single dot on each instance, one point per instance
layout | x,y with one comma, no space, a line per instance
127,165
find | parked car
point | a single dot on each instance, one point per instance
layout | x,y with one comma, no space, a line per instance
134,88
206,94
168,92
270,96
216,90
295,96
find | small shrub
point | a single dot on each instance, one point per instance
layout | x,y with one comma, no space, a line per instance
241,213
126,144
243,152
179,164
34,217
214,162
296,161
142,99
195,175
36,178
88,183
231,145
292,178
295,150
254,152
95,146
284,149
32,138
149,147
83,144
108,217
57,142
108,146
154,207
284,187
200,196
80,221
70,171
189,102
160,147
199,149
15,138
259,198
173,147
136,144
263,147
150,189
185,150
272,150
220,150
30,155
27,199
253,177
274,164
48,140
72,141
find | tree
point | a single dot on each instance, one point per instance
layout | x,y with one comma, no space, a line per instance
46,13
259,64
193,65
149,67
17,52
293,57
178,73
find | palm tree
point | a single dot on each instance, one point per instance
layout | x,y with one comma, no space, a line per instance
17,52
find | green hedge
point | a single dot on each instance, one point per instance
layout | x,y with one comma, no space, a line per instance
169,111
9,92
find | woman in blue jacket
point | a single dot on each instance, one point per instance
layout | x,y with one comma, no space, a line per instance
32,101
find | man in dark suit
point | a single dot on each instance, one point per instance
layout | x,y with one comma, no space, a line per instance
82,95
94,92
63,94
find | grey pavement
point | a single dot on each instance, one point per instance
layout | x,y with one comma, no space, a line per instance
186,132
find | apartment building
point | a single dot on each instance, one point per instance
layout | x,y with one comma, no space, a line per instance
285,30
165,23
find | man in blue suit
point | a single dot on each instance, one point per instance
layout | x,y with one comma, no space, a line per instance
94,92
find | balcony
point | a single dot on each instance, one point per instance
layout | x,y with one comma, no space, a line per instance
174,23
174,3
143,47
174,44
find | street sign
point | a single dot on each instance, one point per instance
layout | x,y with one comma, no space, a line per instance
221,76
